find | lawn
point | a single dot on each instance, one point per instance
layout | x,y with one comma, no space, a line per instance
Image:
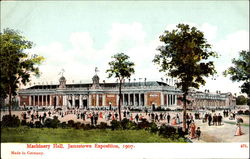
59,135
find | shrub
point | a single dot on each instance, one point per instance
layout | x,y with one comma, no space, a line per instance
23,122
144,124
48,123
71,123
77,125
132,125
240,112
52,123
10,121
102,125
246,112
82,125
181,133
88,127
115,125
38,124
63,125
153,127
167,131
124,123
31,124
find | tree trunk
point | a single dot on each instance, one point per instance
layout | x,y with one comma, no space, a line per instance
10,100
184,111
119,103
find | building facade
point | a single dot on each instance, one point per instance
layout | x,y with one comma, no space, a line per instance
141,95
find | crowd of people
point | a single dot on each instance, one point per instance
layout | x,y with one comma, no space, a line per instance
169,118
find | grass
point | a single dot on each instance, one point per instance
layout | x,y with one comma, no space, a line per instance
59,135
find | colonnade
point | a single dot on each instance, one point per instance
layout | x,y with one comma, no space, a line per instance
84,100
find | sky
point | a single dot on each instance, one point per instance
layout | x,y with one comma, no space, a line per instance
78,36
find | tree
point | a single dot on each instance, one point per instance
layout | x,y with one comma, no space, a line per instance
120,68
16,64
241,100
241,71
184,56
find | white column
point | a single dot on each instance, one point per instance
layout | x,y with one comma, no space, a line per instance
30,100
139,99
97,100
50,100
34,100
117,99
145,99
167,99
57,101
134,99
42,100
64,101
175,100
90,100
80,101
68,103
103,100
162,98
19,101
73,100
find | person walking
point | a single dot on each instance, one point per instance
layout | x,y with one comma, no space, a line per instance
192,130
219,119
137,118
238,131
198,133
209,119
215,120
92,119
168,118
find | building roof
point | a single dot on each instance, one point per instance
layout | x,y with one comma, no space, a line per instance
88,85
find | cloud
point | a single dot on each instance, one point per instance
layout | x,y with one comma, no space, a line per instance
81,58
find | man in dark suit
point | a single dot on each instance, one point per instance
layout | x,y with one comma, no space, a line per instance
219,119
209,119
168,118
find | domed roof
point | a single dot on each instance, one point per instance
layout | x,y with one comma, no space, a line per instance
95,79
62,78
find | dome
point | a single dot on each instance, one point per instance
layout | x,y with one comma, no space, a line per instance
95,79
62,78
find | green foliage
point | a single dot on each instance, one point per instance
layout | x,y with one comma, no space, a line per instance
241,100
102,125
153,127
16,65
144,124
10,121
115,125
38,124
167,131
120,68
240,71
63,125
52,123
185,56
71,123
77,125
129,125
